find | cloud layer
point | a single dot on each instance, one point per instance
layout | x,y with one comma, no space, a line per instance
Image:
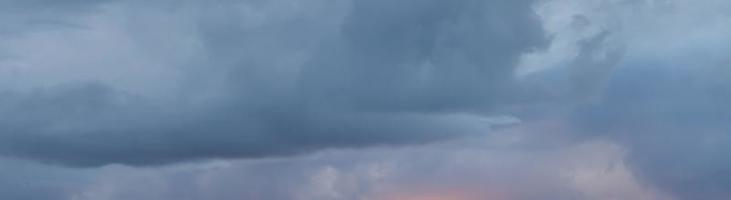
607,99
262,78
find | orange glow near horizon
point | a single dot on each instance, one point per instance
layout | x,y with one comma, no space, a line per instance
429,197
440,195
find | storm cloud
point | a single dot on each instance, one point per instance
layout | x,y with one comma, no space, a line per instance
263,78
365,99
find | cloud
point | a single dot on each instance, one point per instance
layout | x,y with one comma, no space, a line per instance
674,122
28,180
257,79
639,87
466,169
647,75
665,99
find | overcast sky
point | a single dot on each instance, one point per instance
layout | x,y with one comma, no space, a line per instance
365,99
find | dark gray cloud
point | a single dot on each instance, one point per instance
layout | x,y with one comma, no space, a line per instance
412,55
84,126
285,79
99,83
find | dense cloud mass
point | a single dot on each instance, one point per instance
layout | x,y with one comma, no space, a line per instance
291,80
365,99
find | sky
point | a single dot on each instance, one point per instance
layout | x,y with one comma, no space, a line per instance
365,99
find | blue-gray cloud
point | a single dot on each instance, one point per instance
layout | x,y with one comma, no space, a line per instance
379,73
94,83
666,101
674,121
